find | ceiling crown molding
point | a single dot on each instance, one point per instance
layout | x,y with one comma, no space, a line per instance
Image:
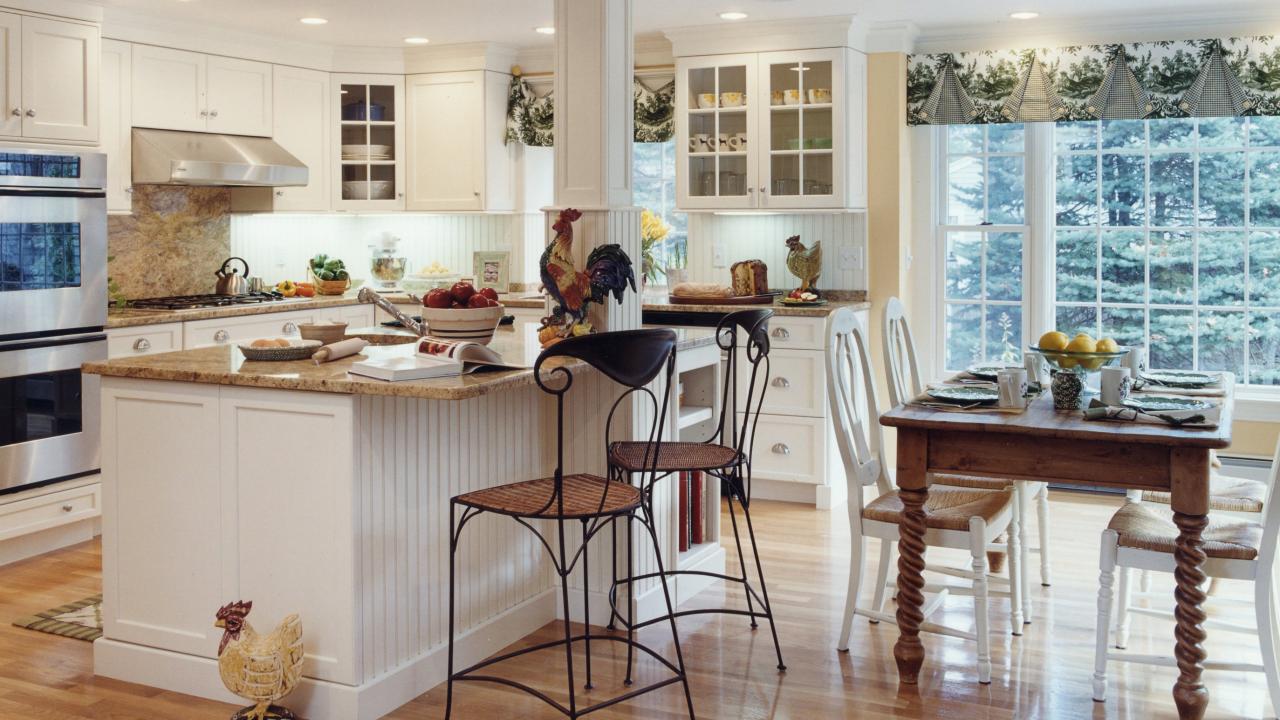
892,37
768,35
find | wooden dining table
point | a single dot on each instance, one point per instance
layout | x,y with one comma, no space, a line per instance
1042,444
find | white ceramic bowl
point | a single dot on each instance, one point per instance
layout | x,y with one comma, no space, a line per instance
475,324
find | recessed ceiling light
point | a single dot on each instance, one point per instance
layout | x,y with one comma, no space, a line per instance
416,40
1024,15
546,30
733,15
312,21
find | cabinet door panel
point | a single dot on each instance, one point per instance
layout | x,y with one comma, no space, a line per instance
804,143
117,83
239,96
60,80
446,118
716,132
10,75
300,123
168,89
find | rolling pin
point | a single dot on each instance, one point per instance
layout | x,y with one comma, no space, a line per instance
340,349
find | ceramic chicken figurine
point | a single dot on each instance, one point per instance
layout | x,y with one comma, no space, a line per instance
608,272
259,668
804,263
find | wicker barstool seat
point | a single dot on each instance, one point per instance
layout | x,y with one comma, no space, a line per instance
972,481
1146,528
1229,494
945,509
672,456
585,496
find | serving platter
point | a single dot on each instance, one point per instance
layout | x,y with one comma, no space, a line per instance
764,299
1164,403
964,395
1180,378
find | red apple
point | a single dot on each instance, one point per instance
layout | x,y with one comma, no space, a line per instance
462,292
490,293
478,301
438,298
795,294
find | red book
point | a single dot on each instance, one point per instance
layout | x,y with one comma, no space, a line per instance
697,497
682,529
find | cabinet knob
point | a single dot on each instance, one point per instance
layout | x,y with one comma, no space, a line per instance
761,189
221,336
279,193
781,382
476,193
781,449
17,112
129,189
780,333
31,113
204,113
289,328
213,113
399,195
142,344
68,507
751,190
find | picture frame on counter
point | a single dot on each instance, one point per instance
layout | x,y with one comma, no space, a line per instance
492,269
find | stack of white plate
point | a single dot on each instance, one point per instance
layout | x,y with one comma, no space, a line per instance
366,152
362,189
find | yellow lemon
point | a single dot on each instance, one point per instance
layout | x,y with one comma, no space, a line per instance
1108,345
1082,343
1053,340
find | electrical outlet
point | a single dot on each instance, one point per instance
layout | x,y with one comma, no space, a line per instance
717,254
851,257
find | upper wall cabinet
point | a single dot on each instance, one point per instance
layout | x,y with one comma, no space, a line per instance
50,79
369,142
117,136
180,90
300,121
777,131
457,158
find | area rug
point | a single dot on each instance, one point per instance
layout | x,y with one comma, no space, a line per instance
81,620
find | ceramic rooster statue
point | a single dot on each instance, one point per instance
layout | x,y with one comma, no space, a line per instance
804,263
259,668
608,272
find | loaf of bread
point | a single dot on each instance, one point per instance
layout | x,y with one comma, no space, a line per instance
750,277
711,290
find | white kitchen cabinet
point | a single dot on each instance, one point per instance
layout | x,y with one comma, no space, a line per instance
224,331
369,145
116,124
49,79
181,90
795,141
11,75
300,123
457,157
355,316
43,512
144,340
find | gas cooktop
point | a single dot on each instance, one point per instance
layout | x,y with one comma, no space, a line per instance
184,302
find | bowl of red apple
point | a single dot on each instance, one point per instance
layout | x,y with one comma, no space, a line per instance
462,313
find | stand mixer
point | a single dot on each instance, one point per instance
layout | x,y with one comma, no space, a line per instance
386,264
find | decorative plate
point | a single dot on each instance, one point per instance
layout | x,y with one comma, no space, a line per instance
1179,378
964,395
297,350
988,372
1164,403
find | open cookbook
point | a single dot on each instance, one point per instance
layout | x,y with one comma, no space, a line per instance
434,358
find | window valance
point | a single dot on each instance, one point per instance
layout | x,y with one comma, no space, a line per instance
531,117
1164,79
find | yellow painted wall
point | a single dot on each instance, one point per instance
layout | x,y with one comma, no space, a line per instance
1253,438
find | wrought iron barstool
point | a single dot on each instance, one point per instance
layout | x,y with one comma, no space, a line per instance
725,455
633,359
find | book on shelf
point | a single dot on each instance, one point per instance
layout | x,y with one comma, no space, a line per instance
697,512
683,524
434,358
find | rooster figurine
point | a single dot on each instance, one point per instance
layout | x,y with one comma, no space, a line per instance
259,668
608,272
804,263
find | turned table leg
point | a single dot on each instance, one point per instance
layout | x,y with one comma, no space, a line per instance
1190,501
914,491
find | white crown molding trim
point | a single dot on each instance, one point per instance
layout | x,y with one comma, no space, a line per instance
767,36
63,9
892,37
462,56
1119,27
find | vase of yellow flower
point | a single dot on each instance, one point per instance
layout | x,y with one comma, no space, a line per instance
653,232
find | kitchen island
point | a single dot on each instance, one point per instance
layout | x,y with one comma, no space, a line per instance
306,489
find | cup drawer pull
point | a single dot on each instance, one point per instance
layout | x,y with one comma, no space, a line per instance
781,382
780,333
781,449
289,328
142,344
68,507
221,336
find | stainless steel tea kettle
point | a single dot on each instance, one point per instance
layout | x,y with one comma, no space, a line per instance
229,281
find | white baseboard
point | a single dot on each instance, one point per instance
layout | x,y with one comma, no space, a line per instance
321,699
39,543
787,491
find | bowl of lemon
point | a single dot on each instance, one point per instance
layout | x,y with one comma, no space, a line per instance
1080,354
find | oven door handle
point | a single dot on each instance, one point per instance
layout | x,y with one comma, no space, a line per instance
13,191
51,355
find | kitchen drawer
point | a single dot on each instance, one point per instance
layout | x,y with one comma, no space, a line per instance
48,511
144,340
792,449
355,316
797,382
805,333
203,333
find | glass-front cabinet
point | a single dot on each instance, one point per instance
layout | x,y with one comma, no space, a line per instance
371,138
796,141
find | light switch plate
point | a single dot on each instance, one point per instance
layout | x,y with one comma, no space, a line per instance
717,254
851,257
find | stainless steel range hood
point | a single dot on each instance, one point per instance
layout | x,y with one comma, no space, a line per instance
171,157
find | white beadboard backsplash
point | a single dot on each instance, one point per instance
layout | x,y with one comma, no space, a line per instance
762,237
278,246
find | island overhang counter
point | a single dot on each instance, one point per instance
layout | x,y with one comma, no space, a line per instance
303,488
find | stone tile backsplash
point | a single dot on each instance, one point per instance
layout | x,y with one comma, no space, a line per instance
172,243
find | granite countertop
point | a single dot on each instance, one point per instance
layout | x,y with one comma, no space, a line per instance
225,365
853,301
129,317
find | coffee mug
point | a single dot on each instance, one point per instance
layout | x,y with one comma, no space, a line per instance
1136,361
1037,368
700,142
791,97
731,99
775,97
706,100
722,142
819,96
738,141
1116,385
1012,383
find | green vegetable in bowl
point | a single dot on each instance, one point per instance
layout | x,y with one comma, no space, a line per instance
327,268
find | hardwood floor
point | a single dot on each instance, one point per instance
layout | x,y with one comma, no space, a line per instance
1043,674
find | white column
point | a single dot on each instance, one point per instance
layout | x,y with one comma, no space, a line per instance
593,134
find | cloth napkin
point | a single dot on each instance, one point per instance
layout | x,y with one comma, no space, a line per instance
1202,418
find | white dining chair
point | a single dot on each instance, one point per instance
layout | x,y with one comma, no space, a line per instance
903,374
1144,537
957,518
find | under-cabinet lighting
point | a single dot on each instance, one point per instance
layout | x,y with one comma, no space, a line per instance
313,21
416,41
545,30
737,213
1024,15
733,15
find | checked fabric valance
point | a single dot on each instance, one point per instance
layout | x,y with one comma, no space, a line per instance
531,117
1175,78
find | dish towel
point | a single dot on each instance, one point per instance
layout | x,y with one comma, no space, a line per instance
1199,418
